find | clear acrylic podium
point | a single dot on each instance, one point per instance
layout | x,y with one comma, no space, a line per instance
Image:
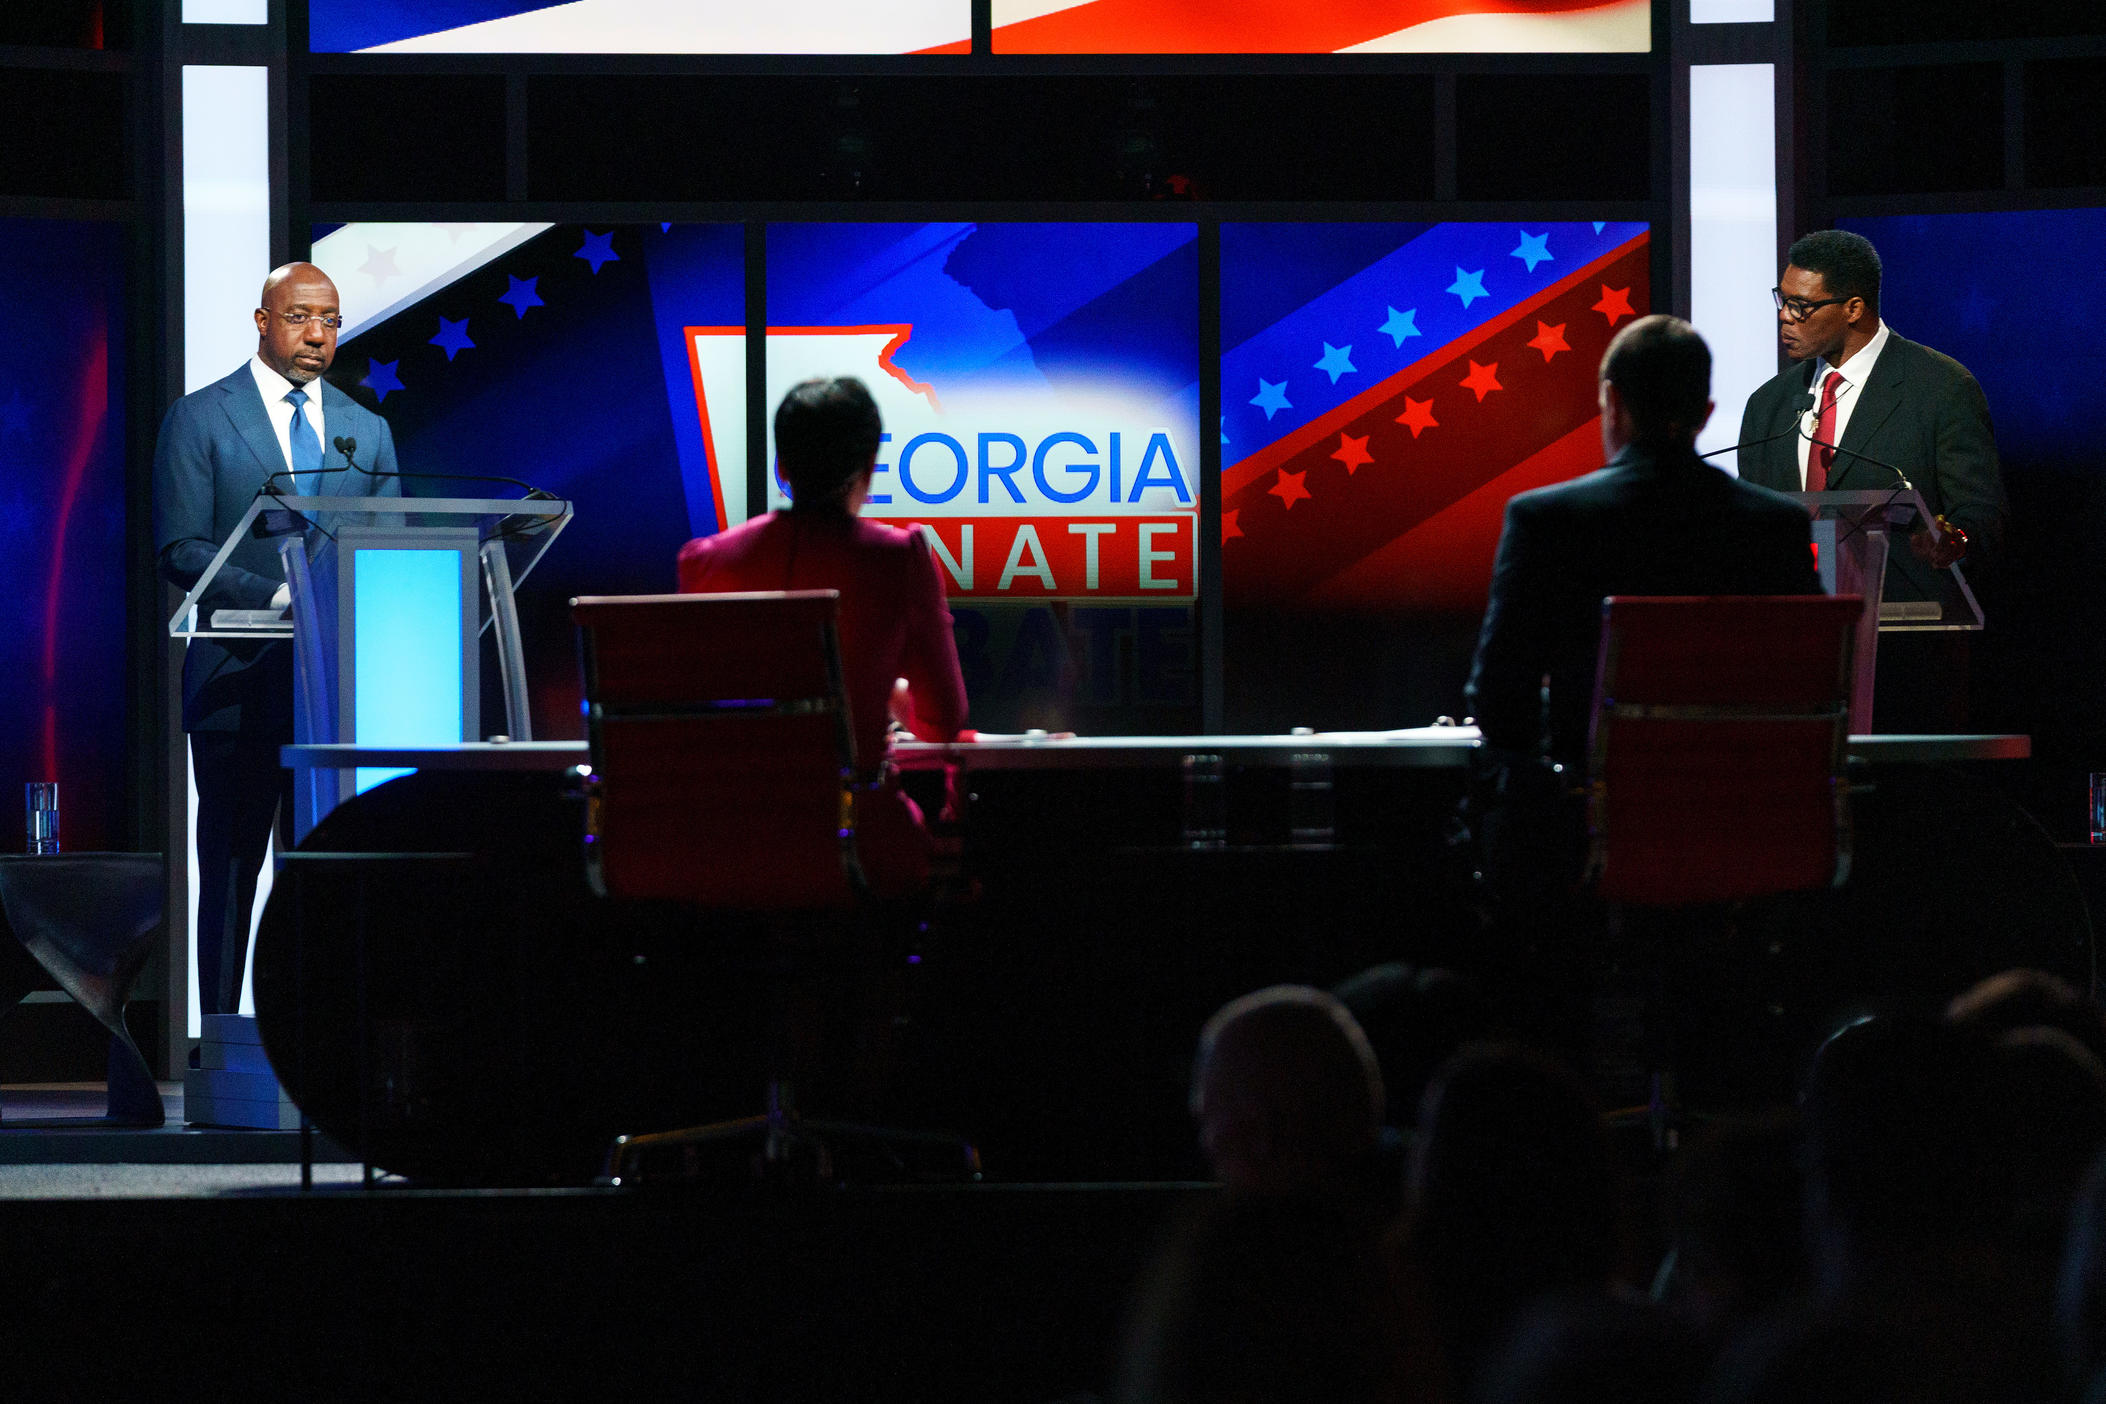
387,618
1854,535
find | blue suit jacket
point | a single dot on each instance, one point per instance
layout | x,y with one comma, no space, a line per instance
216,449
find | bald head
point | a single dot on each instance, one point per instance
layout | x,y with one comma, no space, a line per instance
1286,1090
302,348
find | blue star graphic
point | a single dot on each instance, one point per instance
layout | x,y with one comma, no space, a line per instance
453,336
381,378
1270,397
666,227
1336,361
599,248
1534,249
1400,325
1224,429
1600,225
1468,286
521,294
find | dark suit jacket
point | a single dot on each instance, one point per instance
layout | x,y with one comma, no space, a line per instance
1922,412
1646,524
216,449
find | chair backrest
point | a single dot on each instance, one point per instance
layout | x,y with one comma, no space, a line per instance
1717,749
723,761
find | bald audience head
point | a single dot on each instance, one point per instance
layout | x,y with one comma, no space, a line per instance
1287,1092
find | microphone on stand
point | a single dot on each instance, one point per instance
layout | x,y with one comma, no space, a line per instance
1799,410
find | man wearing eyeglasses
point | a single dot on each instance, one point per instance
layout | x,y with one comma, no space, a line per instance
1879,399
268,421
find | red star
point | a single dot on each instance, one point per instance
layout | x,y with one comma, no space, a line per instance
1289,488
1483,379
1229,530
1352,452
1418,414
1550,340
1615,302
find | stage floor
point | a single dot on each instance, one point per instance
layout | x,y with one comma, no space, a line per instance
55,1145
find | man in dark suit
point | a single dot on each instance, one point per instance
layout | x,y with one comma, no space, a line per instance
1657,520
218,446
1880,399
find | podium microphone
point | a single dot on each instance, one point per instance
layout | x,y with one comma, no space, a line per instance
1876,463
347,446
1799,410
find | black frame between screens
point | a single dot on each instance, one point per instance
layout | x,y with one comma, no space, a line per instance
1209,216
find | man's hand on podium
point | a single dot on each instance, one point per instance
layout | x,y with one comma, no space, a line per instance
1941,546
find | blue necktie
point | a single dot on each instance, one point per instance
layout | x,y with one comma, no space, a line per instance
306,448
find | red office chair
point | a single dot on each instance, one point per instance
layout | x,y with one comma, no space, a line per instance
724,777
721,747
1716,754
1715,774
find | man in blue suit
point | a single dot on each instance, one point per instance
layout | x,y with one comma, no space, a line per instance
218,446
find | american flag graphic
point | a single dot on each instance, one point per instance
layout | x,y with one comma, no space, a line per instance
1337,26
1374,432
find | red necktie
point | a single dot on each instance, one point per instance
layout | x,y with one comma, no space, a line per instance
1819,456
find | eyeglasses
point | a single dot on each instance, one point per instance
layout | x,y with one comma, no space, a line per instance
300,319
1798,308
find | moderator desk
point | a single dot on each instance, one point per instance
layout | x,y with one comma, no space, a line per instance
1434,747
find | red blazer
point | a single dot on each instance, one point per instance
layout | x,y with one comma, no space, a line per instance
894,624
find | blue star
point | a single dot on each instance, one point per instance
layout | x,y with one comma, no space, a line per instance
1224,429
599,248
453,336
665,227
1400,325
1600,225
521,294
1468,286
1534,249
1337,361
381,378
1271,398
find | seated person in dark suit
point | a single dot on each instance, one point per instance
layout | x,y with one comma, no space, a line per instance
1657,520
894,626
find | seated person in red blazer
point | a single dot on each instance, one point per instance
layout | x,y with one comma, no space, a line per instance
897,654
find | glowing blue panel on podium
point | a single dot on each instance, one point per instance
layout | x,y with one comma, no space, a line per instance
407,651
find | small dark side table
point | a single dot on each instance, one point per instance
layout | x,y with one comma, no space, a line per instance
89,921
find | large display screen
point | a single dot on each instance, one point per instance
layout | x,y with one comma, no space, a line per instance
1040,387
637,27
1039,384
1385,389
558,355
1343,26
62,515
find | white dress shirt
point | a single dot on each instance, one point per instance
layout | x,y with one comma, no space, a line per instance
1856,371
274,388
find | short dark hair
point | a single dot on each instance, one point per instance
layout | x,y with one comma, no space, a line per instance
1847,263
1662,369
826,432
